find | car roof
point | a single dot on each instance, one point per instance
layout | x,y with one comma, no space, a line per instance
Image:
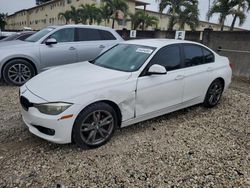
82,26
25,32
157,43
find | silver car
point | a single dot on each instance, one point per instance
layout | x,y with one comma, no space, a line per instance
53,46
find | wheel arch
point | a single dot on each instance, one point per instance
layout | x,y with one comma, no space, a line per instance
112,104
23,58
222,80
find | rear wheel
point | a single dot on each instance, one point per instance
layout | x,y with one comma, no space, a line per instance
214,93
94,126
17,72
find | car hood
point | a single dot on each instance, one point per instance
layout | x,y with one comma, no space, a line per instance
15,44
66,82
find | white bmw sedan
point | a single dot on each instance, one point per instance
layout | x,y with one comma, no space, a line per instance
132,82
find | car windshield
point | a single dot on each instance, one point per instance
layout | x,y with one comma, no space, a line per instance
124,57
37,36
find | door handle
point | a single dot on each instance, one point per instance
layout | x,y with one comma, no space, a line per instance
101,46
72,48
210,69
179,77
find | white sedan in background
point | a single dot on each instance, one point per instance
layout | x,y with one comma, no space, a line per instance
132,82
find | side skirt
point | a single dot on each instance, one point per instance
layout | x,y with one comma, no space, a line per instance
161,112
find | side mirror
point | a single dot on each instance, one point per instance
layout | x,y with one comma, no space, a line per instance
50,41
156,69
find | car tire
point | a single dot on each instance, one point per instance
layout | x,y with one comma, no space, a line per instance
94,126
18,72
214,93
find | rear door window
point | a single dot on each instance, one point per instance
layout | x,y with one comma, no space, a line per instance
208,56
106,35
86,34
193,55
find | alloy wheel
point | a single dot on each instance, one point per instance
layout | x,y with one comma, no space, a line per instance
97,127
214,93
19,73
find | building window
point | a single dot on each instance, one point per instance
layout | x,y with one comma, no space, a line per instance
69,1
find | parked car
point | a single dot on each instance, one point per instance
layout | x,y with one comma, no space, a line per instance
18,36
2,37
132,82
53,46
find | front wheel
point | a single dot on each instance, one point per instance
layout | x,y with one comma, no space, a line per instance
18,72
94,126
214,93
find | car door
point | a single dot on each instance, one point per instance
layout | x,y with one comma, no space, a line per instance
198,63
158,92
64,52
90,43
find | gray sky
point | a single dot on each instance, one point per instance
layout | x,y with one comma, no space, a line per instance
11,6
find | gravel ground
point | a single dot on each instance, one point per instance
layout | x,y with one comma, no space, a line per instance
194,147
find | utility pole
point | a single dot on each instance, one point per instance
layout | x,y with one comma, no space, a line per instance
209,5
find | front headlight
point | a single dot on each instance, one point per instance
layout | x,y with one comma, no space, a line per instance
52,108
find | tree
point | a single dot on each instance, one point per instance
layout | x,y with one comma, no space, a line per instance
142,19
240,10
189,16
221,7
150,21
105,12
2,20
135,19
66,15
39,2
113,7
90,13
72,14
177,9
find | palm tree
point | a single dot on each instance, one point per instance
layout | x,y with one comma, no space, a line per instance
189,16
66,15
105,12
90,13
150,21
2,20
239,11
140,18
179,8
221,7
135,19
113,7
74,14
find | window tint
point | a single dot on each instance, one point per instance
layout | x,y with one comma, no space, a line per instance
169,57
208,56
106,35
64,35
85,34
23,37
193,55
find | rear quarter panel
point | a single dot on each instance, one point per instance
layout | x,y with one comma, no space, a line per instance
223,70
